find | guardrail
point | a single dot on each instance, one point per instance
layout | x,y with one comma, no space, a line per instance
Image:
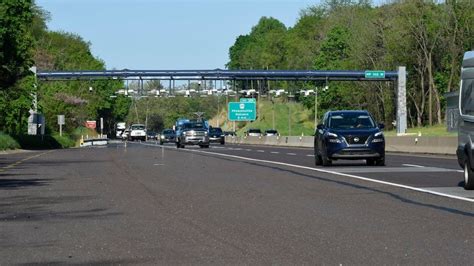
409,144
94,141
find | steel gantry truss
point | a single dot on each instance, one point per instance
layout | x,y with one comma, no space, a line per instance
216,74
398,77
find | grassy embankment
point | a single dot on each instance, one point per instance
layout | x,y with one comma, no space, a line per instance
428,131
53,141
302,121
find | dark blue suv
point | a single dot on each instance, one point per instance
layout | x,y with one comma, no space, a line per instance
350,135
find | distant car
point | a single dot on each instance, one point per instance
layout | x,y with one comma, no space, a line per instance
216,135
137,132
229,133
167,135
350,135
151,135
125,134
271,132
254,132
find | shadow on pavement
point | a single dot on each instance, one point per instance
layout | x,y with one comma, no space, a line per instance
12,183
96,262
24,208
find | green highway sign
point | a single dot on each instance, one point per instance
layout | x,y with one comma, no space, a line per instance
248,100
374,74
242,111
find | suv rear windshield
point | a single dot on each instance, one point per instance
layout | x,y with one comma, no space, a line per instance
138,127
271,132
350,121
168,131
215,130
255,131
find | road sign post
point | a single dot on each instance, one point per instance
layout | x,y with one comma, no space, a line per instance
61,123
242,111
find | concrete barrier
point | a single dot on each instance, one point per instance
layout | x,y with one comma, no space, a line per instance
415,144
406,144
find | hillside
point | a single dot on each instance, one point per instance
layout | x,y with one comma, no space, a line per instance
302,119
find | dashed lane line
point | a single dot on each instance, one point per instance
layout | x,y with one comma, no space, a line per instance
290,153
423,190
12,165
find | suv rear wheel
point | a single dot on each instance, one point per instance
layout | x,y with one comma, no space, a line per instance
468,175
380,162
317,159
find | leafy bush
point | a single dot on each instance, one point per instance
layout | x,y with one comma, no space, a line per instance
7,142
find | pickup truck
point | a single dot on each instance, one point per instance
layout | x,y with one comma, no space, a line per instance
137,132
192,133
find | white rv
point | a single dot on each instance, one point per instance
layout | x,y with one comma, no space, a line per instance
465,150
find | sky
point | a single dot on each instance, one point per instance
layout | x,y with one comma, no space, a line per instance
165,34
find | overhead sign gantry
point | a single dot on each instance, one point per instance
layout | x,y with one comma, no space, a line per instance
397,77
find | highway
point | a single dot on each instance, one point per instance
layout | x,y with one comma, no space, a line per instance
146,204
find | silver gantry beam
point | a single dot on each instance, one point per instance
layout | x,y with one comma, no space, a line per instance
398,76
216,74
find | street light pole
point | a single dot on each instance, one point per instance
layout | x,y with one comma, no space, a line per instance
315,107
218,110
273,113
289,120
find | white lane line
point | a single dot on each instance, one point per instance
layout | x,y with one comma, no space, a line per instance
290,153
310,155
336,173
413,165
158,164
260,151
342,174
460,171
237,149
275,152
248,149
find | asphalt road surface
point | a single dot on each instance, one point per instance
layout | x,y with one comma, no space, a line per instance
146,204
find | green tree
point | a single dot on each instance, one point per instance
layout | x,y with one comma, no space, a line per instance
16,43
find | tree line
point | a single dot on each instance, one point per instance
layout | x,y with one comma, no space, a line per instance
25,41
428,37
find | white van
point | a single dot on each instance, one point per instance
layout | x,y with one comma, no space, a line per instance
465,150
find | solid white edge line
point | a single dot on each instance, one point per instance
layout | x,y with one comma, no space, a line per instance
413,165
336,173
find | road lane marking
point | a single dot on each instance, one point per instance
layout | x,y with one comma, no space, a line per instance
260,151
9,166
413,165
248,149
310,155
275,152
433,192
343,174
290,153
